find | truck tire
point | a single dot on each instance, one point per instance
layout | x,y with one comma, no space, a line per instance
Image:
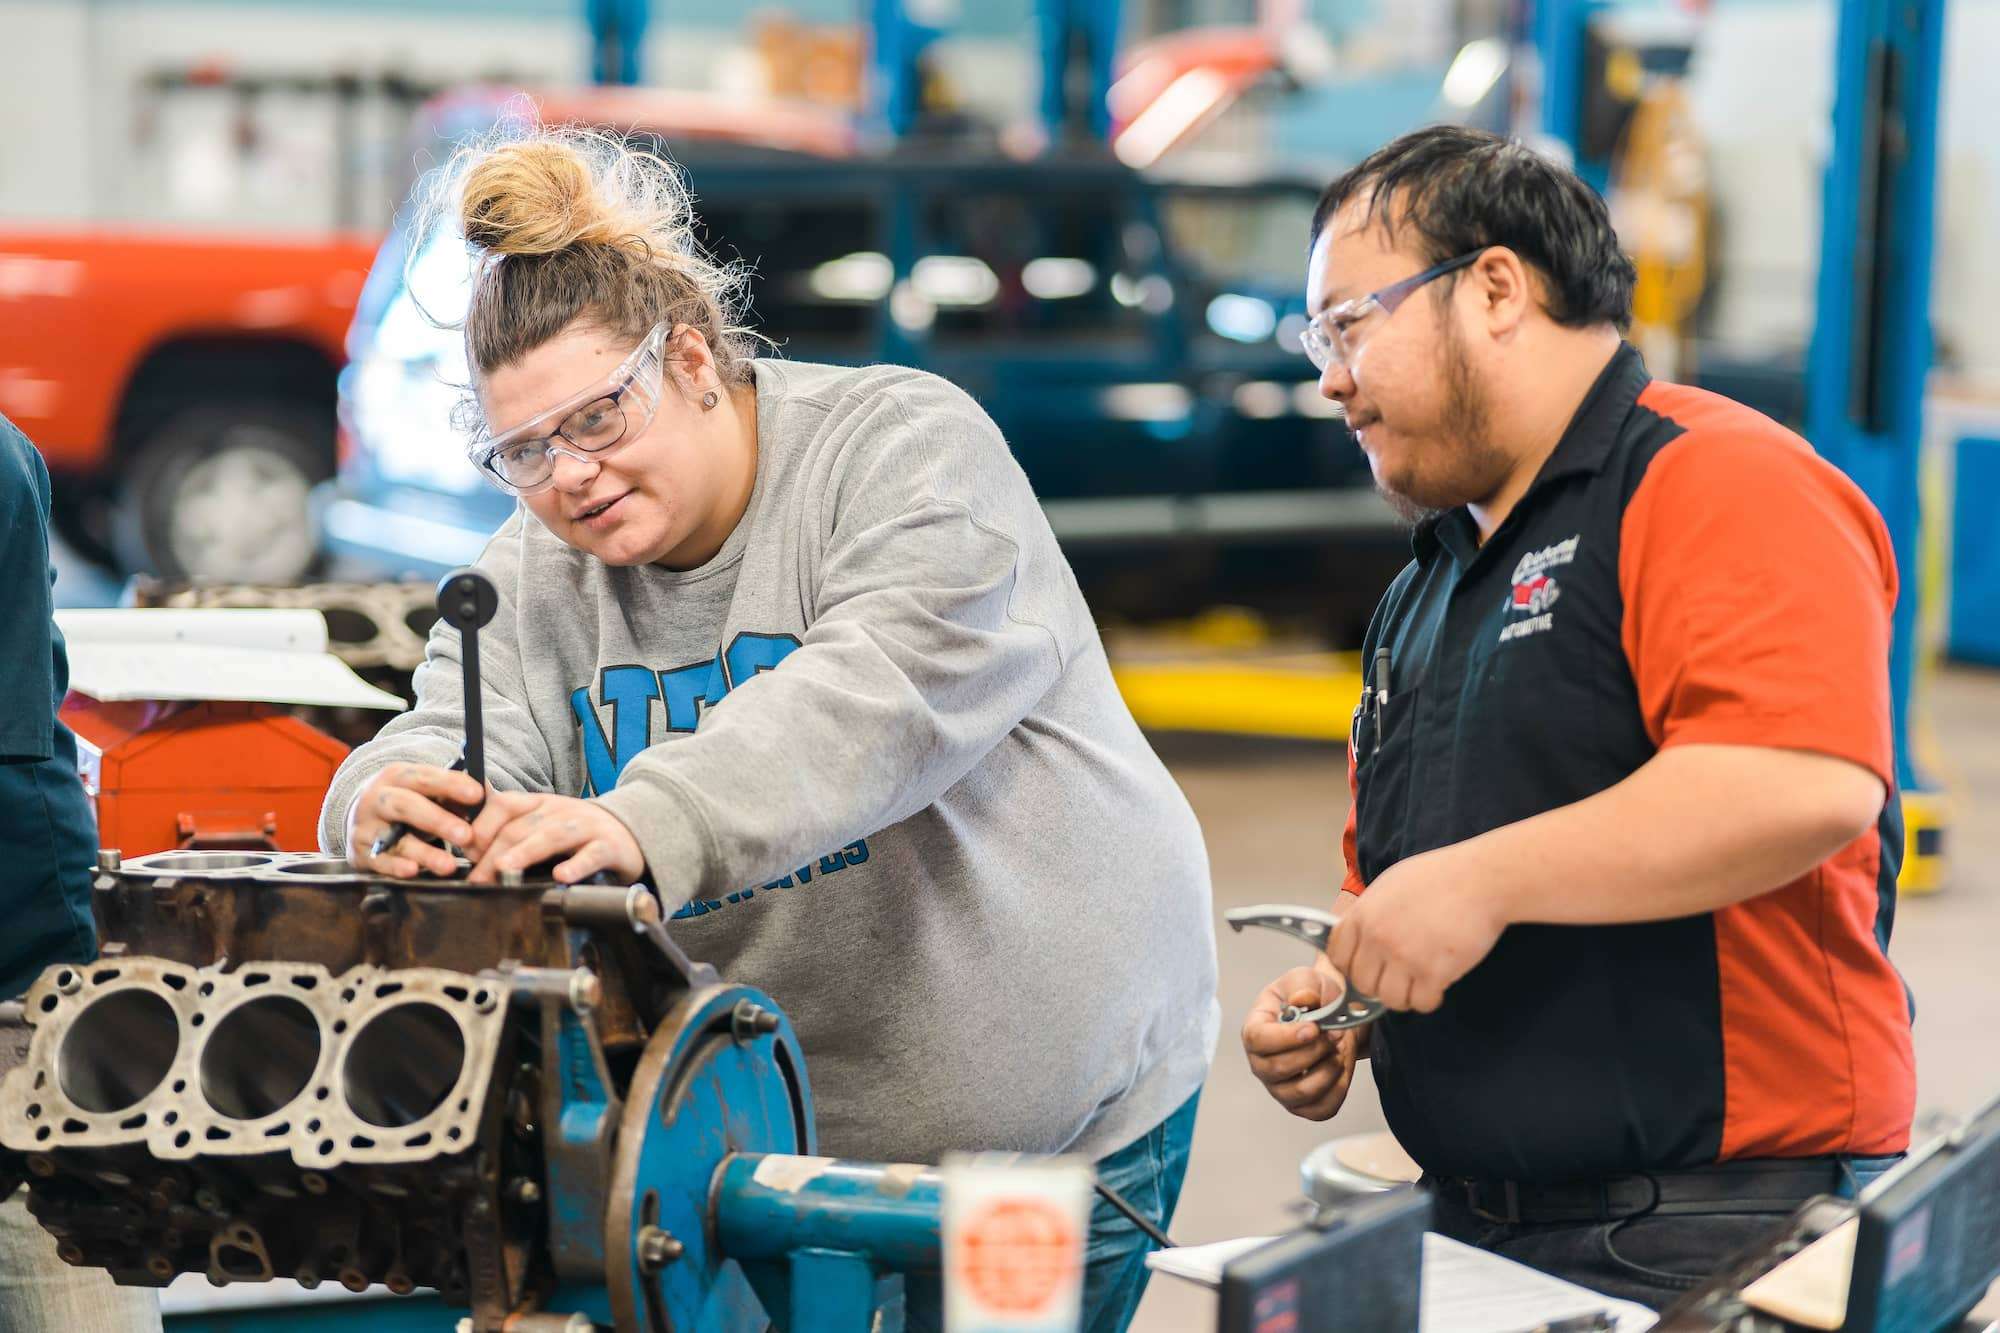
222,492
80,513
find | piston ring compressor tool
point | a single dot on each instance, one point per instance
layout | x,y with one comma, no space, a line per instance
1350,1008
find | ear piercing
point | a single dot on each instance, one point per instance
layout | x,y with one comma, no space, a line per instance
709,400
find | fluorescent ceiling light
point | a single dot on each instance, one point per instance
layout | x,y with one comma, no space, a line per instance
1187,101
1478,66
1053,279
955,280
1244,319
862,276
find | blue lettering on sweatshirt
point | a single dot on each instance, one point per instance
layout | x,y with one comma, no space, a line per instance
853,854
683,693
615,726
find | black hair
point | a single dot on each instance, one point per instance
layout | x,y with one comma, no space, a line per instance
1461,189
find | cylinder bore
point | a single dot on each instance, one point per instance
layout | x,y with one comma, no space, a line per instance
118,1049
199,862
259,1057
326,865
403,1063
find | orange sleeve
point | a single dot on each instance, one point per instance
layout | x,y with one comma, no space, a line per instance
1758,584
1351,881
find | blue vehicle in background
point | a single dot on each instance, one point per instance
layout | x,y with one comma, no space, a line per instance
1135,337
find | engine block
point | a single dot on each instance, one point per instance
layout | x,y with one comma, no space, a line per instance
283,1068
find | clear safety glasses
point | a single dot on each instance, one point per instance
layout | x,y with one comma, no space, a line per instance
521,462
1333,336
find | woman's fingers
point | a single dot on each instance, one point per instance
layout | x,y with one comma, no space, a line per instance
587,860
395,867
411,795
502,809
401,805
527,841
443,784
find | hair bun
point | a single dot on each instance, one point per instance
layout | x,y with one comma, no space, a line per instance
538,197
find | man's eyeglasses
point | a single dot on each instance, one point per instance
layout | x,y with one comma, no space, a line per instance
594,420
1331,339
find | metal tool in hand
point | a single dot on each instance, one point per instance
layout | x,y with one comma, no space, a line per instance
1350,1008
466,600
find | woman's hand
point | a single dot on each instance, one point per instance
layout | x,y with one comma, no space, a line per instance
412,795
518,830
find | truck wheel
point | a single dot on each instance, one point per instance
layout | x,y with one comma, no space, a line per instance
81,515
223,493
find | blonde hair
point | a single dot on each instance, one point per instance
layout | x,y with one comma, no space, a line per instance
574,225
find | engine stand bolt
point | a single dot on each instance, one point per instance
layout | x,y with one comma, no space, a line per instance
657,1249
748,1021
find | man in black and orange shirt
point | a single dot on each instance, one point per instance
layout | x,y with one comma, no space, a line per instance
1624,841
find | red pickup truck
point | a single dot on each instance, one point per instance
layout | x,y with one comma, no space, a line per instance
182,388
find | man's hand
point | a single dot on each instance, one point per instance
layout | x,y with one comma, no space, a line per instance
1308,1071
410,794
518,830
1424,923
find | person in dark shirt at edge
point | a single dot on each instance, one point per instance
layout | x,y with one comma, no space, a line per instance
48,842
1622,853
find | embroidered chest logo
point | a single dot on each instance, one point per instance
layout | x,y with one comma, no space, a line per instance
1535,591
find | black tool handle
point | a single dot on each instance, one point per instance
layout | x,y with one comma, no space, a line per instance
466,600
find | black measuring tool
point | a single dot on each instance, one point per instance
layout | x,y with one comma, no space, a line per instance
466,600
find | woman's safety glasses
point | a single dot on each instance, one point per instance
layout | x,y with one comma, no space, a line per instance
521,462
1333,336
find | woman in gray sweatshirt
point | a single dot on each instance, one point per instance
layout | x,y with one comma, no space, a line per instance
796,644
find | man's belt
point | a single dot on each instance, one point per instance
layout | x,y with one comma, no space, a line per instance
1764,1185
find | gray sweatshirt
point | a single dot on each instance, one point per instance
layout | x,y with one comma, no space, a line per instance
873,752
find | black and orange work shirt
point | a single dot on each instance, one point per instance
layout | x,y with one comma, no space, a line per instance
1684,570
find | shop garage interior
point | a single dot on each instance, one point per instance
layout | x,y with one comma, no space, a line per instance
235,334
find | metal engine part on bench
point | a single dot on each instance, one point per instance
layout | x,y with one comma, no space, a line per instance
522,1095
369,625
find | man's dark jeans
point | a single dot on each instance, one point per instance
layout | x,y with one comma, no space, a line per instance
1651,1260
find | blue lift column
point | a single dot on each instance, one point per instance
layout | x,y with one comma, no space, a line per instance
1559,30
617,37
1077,33
1871,346
896,42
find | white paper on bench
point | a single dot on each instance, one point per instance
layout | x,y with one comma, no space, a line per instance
1466,1290
251,656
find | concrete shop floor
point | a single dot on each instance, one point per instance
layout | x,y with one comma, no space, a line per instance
1273,813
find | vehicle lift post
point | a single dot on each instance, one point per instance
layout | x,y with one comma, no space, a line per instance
1871,349
1069,33
617,39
